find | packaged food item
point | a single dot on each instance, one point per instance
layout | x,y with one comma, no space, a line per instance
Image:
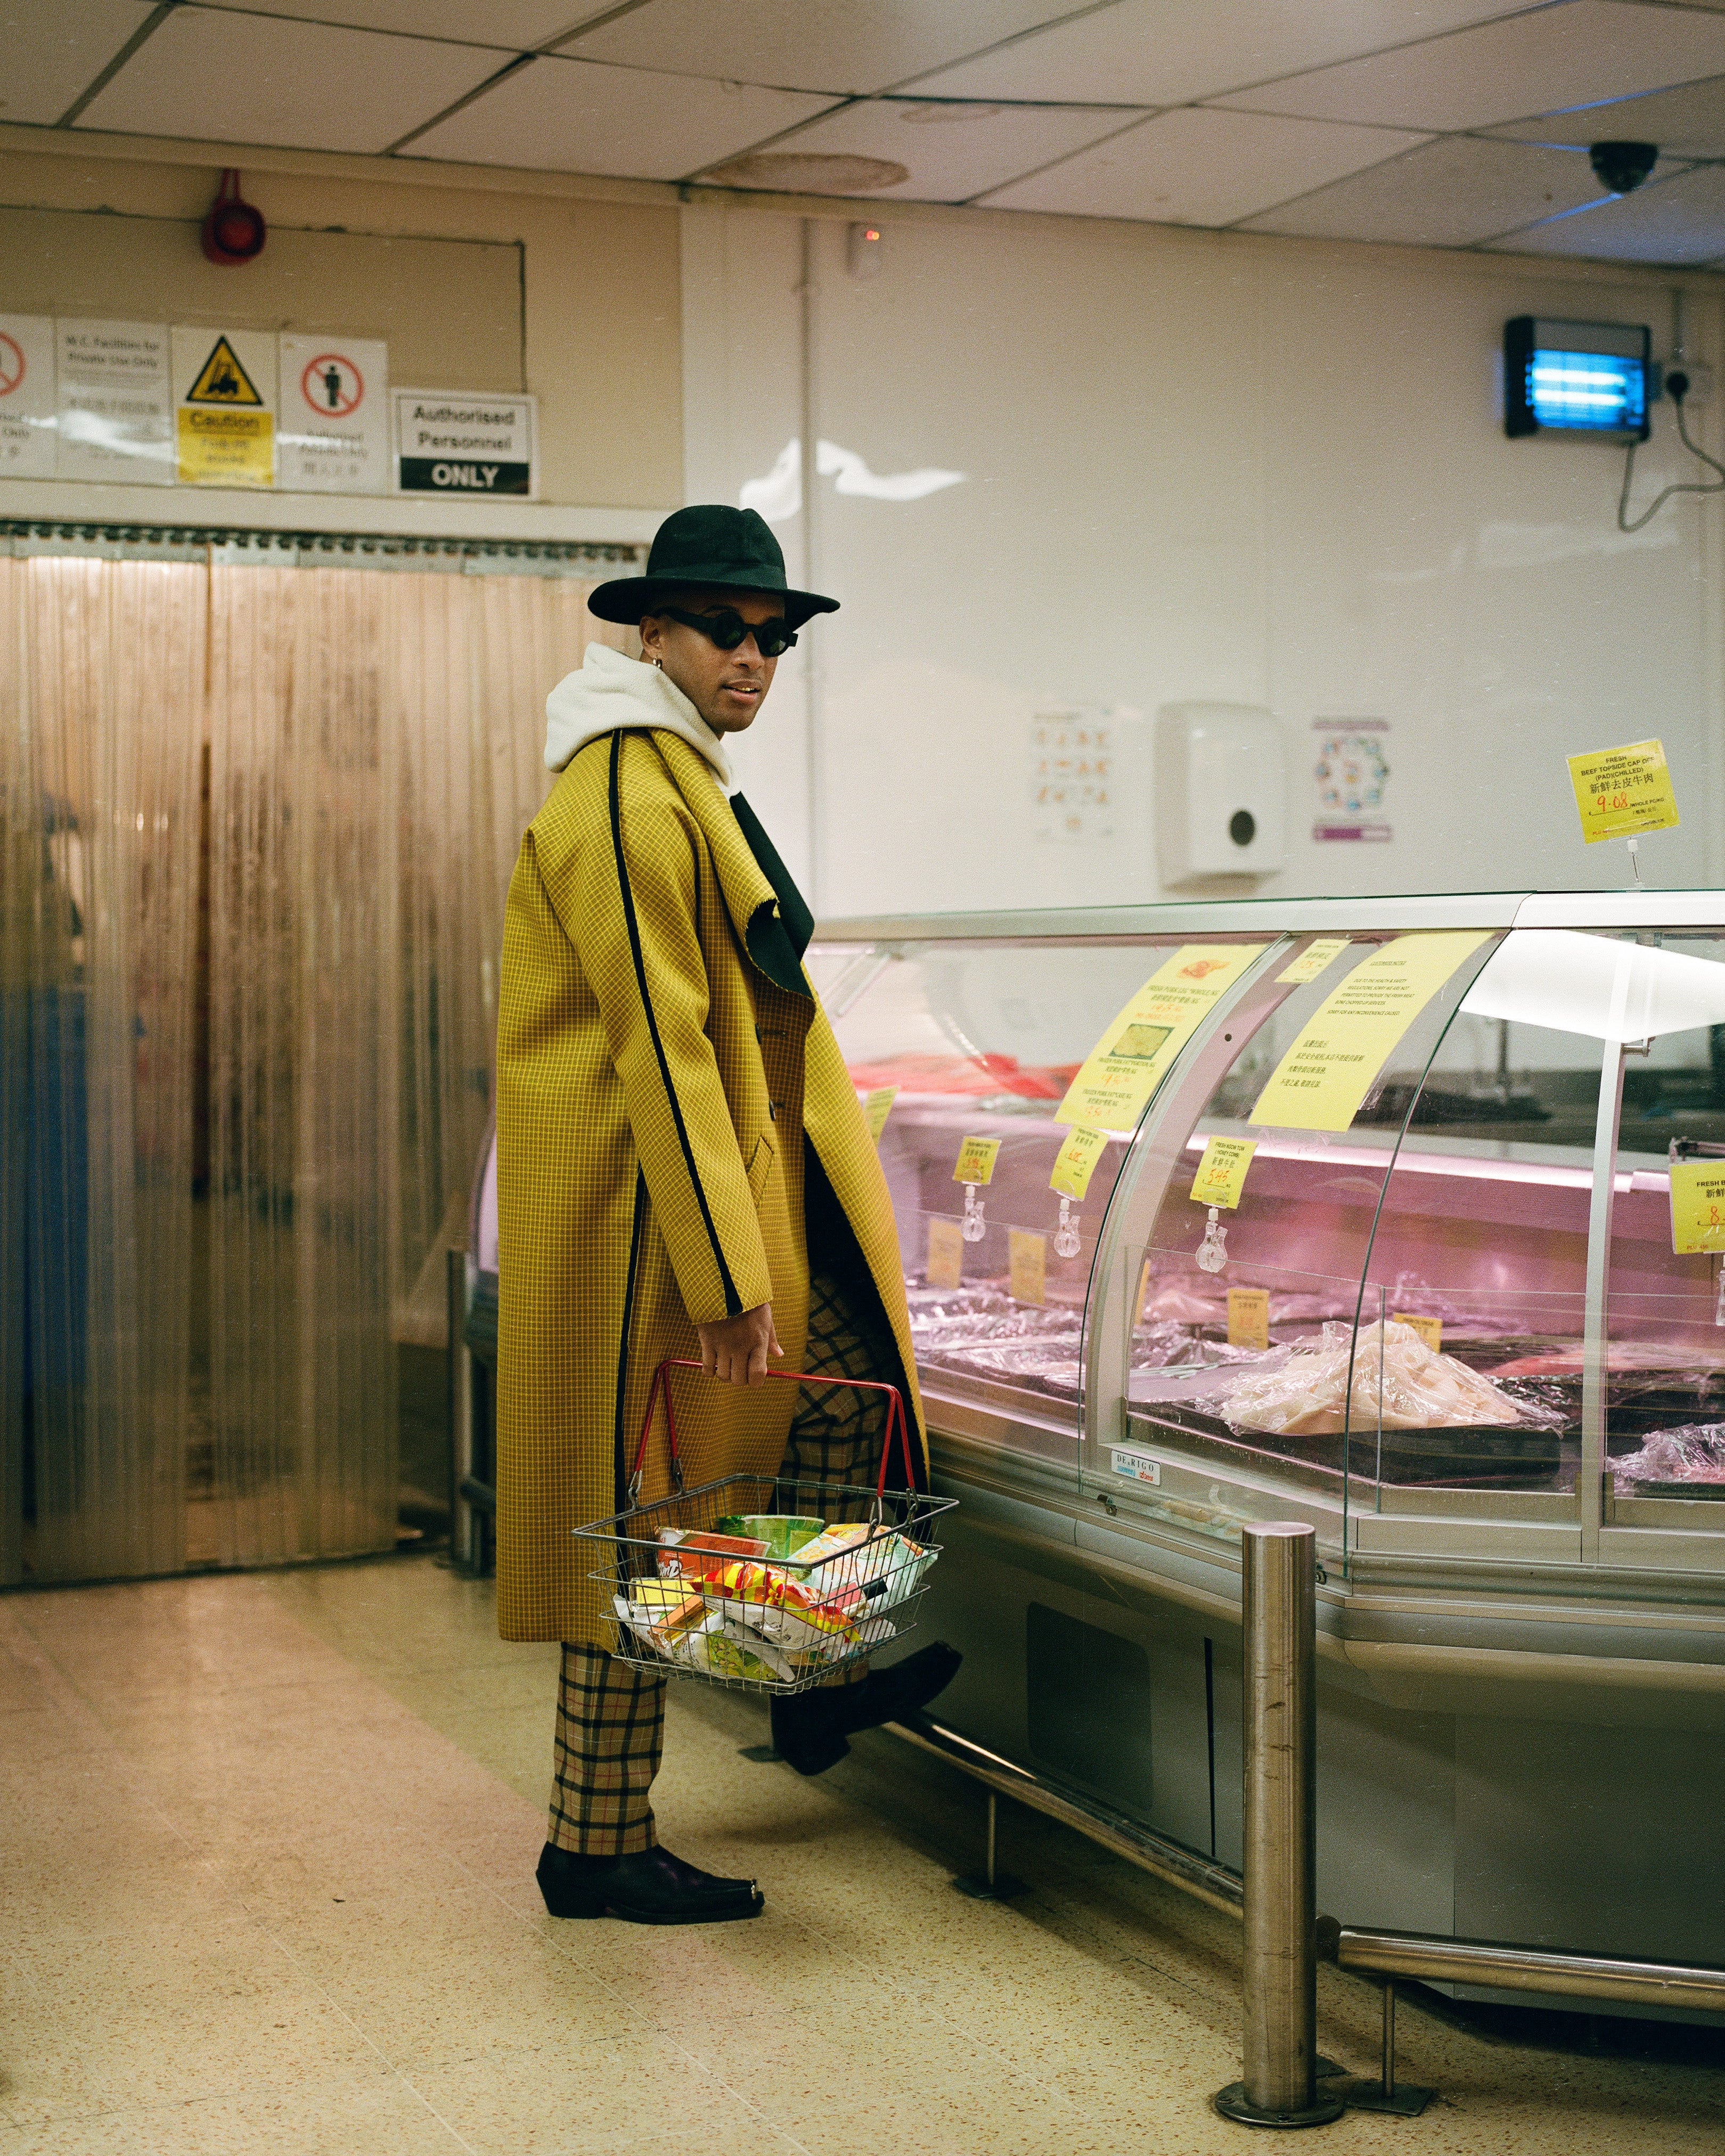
885,1564
1694,1454
782,1533
663,1611
695,1556
1396,1383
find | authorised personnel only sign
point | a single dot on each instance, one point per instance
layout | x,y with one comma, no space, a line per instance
453,442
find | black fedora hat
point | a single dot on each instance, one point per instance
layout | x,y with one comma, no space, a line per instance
712,545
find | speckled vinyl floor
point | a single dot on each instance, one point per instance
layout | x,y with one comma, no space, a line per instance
267,1886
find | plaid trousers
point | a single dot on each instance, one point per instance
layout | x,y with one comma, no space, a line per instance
610,1727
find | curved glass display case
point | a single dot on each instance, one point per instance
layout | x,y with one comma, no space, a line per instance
1404,1217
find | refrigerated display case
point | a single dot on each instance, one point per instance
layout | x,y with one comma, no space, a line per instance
1402,1217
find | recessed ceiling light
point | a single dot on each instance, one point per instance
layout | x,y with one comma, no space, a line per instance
808,172
924,110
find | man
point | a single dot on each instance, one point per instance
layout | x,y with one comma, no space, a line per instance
682,1167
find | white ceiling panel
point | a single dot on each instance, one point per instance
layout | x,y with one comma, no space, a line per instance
1542,62
1198,166
1678,221
228,77
1163,51
810,44
53,54
1685,123
512,26
956,151
567,115
1449,194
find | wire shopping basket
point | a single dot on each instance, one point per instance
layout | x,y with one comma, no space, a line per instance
766,1583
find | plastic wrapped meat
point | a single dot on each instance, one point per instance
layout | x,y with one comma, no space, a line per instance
1696,1453
1179,1300
1164,1346
1305,1393
1621,1356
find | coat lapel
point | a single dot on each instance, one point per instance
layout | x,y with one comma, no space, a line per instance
749,898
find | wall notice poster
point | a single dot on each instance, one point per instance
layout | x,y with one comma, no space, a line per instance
1325,1076
334,430
1133,1057
453,442
27,401
114,403
1352,770
1072,774
1623,792
224,407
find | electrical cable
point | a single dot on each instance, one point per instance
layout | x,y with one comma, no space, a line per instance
1677,384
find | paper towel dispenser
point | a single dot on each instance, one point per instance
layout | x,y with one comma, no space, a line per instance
1219,791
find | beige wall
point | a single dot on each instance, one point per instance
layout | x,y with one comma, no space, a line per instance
474,286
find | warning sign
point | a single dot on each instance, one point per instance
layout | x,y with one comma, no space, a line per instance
224,390
26,396
334,435
222,380
459,444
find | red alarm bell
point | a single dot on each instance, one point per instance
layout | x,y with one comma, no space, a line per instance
234,232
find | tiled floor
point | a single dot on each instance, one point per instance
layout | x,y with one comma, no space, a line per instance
267,1886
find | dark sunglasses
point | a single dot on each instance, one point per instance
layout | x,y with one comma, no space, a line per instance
725,627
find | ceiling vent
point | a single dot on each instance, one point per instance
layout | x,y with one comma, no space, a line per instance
808,172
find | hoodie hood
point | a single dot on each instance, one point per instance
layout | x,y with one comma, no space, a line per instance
611,692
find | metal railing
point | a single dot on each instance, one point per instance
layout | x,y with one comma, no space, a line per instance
1285,2083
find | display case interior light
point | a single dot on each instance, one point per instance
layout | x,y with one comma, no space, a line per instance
1576,377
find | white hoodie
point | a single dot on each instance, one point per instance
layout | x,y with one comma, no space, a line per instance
611,692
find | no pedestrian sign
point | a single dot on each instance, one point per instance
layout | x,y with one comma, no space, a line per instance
452,442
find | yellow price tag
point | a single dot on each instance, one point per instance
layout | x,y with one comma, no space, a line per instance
1323,951
976,1160
1697,1206
1430,1329
1621,792
1320,1083
877,1107
1027,1264
946,1252
1076,1161
1222,1172
1248,1317
1133,1056
1142,1296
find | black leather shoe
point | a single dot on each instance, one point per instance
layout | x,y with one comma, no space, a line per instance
650,1887
809,1728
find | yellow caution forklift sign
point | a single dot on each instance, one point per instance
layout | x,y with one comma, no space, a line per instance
227,433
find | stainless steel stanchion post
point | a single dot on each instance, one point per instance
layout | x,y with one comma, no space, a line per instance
992,1885
464,1523
1405,2099
1280,2085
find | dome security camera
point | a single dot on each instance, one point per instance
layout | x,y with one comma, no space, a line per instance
1620,167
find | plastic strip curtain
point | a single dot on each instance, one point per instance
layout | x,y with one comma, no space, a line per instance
101,674
375,746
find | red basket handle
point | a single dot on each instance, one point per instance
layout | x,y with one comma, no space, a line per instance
897,1420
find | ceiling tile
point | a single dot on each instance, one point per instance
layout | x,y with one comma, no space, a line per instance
1198,166
1552,58
53,54
1686,123
512,26
1163,51
568,115
811,44
955,151
1447,193
1678,221
224,78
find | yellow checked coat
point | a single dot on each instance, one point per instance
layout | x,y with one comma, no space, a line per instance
654,1082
